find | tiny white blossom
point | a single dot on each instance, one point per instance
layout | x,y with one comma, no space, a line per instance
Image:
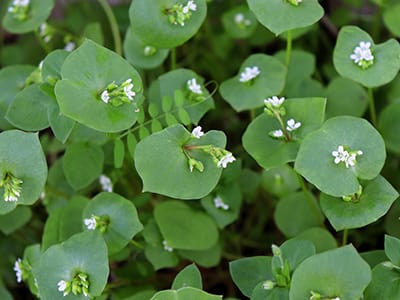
105,96
18,269
106,184
239,18
219,203
223,162
277,133
90,223
12,197
128,91
62,286
167,247
340,154
292,125
268,285
336,298
197,133
194,87
249,74
275,101
362,53
20,3
70,46
189,6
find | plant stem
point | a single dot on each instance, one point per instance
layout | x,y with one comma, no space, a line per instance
45,46
372,106
309,198
113,25
136,244
288,47
345,236
173,58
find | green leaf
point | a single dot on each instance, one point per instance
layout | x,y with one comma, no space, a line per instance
153,110
389,124
78,93
279,16
164,169
119,153
38,12
376,198
170,119
82,163
131,142
166,104
248,95
189,276
316,162
384,284
185,294
336,273
15,219
207,258
51,67
122,218
84,252
392,247
160,32
277,293
386,63
60,125
156,126
270,152
280,181
188,229
178,98
249,271
391,19
4,293
322,239
295,251
237,28
23,157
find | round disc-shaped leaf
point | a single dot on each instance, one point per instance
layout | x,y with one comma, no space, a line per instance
122,216
185,228
386,63
39,11
316,162
271,152
391,19
248,95
389,126
207,258
163,166
185,294
279,15
23,157
141,54
377,197
150,21
78,93
336,273
239,22
189,276
384,284
277,293
280,181
84,252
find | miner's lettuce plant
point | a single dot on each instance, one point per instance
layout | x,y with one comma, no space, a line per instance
200,149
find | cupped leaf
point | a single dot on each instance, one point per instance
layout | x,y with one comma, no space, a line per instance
315,160
189,276
161,32
277,293
121,216
60,125
15,219
247,95
185,228
207,258
185,294
336,273
376,198
280,181
295,251
84,252
239,22
163,166
142,55
22,157
391,19
280,15
389,125
51,67
386,62
322,239
37,13
392,247
271,152
384,284
79,91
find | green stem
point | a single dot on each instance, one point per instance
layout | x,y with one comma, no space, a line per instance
372,106
173,58
42,43
136,244
113,24
309,198
288,47
345,236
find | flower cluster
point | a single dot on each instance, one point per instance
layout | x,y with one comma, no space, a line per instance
20,270
46,32
78,285
96,222
19,9
348,157
197,132
241,21
178,14
70,46
295,2
106,184
219,203
317,296
12,187
117,95
362,55
90,223
249,74
167,247
194,90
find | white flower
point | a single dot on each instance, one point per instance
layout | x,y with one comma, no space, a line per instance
249,74
197,133
70,46
189,6
350,160
194,87
336,298
166,247
292,125
340,155
219,203
239,18
106,184
20,2
223,162
62,286
277,133
274,101
18,269
105,96
90,223
268,285
362,54
128,91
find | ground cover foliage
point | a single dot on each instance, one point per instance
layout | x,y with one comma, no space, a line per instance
173,149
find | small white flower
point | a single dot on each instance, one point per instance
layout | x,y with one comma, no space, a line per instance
12,198
240,19
70,46
106,184
194,87
336,298
62,286
223,162
219,203
268,285
249,74
167,247
292,125
128,91
197,133
105,96
362,54
340,154
277,133
18,269
20,2
350,160
189,6
90,223
275,101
